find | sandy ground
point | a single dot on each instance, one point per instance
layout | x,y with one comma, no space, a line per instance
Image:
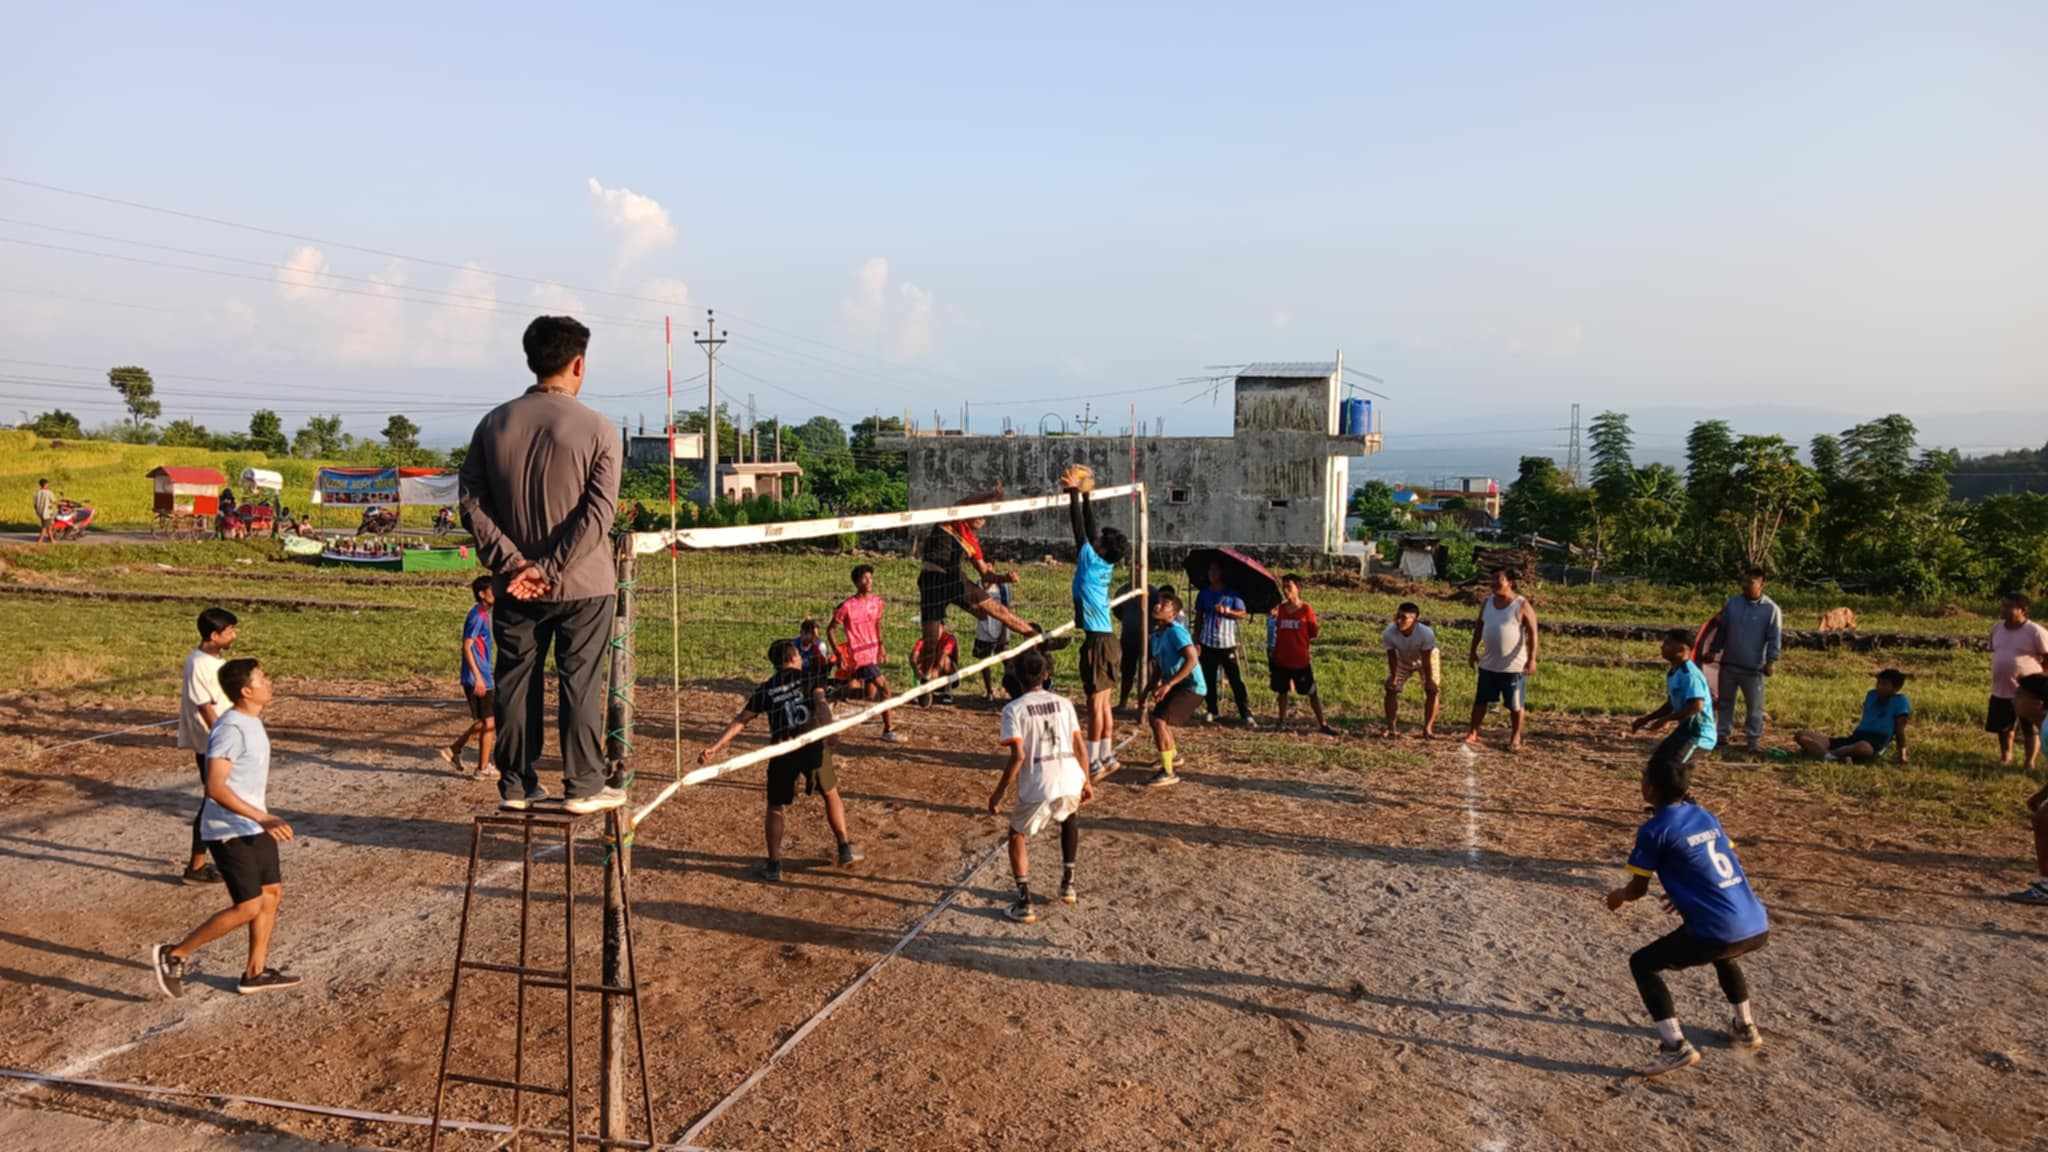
1310,943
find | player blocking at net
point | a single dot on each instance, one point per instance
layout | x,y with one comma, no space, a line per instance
1043,735
1097,552
794,704
941,584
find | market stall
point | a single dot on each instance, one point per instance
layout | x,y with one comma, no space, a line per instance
186,500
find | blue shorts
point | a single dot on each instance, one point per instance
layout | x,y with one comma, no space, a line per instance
1505,687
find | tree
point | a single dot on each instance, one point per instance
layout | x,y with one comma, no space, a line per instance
1541,502
1826,453
401,435
185,434
138,393
266,432
818,436
869,429
56,424
319,438
1709,462
728,432
1767,489
1613,470
1374,506
2009,543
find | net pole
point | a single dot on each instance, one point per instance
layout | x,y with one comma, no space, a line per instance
675,615
612,1025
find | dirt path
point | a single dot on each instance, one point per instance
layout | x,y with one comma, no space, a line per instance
1307,944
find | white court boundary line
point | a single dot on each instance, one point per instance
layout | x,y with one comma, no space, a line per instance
102,736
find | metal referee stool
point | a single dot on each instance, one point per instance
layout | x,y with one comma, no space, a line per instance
549,822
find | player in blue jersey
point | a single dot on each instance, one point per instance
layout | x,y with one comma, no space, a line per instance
1683,846
1097,551
1686,700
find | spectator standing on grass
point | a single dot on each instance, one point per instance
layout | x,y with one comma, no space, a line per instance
539,488
1507,632
1217,613
1290,669
241,834
201,703
2030,701
2018,647
859,619
474,664
1748,639
1411,648
46,512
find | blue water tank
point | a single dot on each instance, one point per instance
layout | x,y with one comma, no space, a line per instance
1351,421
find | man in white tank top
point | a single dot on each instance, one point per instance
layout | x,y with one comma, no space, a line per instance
1507,631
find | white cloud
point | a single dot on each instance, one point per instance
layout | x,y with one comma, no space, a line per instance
555,300
901,324
641,224
463,332
299,273
673,294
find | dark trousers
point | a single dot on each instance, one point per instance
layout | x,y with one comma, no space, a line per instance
199,845
1127,668
579,631
1681,949
1225,661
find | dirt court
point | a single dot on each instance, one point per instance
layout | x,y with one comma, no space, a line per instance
1310,943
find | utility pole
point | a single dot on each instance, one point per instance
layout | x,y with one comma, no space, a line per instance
753,432
710,340
1571,459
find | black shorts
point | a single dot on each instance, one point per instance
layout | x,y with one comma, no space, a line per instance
1301,681
1999,716
1179,706
983,649
1100,657
812,764
1878,741
480,706
936,591
247,863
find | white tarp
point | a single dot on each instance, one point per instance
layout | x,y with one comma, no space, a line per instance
262,478
429,490
1418,564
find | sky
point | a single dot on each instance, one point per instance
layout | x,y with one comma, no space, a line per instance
1809,214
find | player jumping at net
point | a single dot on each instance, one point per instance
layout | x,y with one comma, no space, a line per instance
1097,552
1046,753
859,619
1683,846
941,584
794,704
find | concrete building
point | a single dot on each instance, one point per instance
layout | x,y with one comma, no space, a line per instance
742,480
1279,483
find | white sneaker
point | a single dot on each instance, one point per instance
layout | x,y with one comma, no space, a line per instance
1670,1059
584,805
894,737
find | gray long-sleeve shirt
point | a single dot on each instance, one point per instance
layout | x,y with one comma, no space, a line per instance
540,485
1751,633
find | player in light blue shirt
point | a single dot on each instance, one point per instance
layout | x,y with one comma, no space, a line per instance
1686,700
1882,725
1096,554
1177,683
1683,846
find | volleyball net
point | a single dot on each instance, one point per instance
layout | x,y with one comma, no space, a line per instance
712,601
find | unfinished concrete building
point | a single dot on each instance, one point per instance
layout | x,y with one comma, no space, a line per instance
1278,484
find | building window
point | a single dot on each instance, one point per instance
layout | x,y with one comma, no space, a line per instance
1176,495
1278,503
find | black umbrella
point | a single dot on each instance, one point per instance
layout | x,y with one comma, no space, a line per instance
1243,575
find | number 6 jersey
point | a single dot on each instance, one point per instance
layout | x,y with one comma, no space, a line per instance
1684,847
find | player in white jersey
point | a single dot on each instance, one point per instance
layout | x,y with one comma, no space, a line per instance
1047,752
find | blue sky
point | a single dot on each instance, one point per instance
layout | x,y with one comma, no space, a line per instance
1500,210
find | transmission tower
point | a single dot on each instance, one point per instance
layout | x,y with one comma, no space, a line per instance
1571,459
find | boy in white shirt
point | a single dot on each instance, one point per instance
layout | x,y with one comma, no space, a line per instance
201,704
1047,754
990,633
1411,648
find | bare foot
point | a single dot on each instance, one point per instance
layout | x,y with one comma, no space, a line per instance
1328,730
453,757
1472,738
1429,733
1388,733
1514,745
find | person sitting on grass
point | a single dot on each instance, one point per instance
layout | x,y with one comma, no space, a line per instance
859,619
1177,684
794,704
1687,700
1047,751
1883,723
945,665
1684,847
242,836
474,661
2030,701
1411,648
1289,668
989,634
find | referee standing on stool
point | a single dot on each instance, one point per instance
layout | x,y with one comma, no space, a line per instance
539,487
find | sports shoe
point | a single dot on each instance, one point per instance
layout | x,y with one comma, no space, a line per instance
769,871
268,980
1743,1034
1251,725
522,803
1021,911
1755,747
1208,717
848,854
608,798
1670,1059
2035,893
204,874
944,697
1162,779
1329,730
894,737
170,971
1068,893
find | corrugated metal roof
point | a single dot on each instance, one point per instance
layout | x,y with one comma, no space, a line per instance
178,474
1290,369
